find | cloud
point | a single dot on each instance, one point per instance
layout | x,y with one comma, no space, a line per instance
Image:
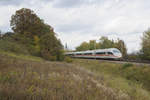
76,21
67,3
21,2
75,3
5,15
11,2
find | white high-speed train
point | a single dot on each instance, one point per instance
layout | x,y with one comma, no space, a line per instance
111,53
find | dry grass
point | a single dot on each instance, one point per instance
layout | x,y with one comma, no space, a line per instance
32,80
132,80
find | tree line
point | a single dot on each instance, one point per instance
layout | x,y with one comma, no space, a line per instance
103,43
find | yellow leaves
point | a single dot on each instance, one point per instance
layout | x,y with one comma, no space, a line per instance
36,42
36,39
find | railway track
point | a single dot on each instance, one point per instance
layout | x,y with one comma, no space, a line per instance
127,61
123,61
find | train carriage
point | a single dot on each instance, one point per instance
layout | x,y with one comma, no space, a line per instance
111,53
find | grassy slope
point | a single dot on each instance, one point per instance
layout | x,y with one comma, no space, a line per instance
22,79
133,80
21,56
31,78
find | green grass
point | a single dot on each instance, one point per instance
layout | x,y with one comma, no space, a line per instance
10,45
129,78
21,56
126,65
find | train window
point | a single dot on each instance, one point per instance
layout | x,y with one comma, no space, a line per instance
101,53
88,54
116,51
78,54
110,53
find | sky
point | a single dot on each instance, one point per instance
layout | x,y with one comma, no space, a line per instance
76,21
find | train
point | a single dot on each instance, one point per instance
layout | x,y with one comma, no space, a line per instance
110,53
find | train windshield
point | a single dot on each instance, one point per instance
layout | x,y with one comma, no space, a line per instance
116,51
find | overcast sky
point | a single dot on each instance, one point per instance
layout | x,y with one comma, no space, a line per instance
76,21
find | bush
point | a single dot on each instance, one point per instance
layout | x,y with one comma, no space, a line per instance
126,65
47,56
12,46
68,59
51,46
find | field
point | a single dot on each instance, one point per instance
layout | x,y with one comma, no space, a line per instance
32,78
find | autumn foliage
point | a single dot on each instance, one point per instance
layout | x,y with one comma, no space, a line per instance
39,37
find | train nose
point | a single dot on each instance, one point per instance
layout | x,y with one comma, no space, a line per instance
119,55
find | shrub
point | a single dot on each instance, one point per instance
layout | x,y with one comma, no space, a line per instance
12,46
51,46
126,65
68,59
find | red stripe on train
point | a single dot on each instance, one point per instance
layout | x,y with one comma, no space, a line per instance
96,55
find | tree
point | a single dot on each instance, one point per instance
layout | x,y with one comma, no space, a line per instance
51,48
26,22
92,45
146,45
122,47
106,43
39,37
83,46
